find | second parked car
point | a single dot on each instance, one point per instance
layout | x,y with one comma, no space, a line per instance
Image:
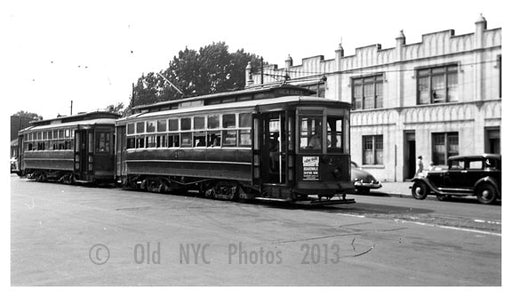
363,180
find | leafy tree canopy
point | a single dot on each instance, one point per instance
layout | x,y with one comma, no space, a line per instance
117,108
21,120
28,115
212,69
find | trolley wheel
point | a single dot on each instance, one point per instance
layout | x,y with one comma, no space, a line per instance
41,177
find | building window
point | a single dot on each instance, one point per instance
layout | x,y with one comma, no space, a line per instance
444,145
437,84
367,92
373,150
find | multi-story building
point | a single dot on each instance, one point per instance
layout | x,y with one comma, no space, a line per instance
436,98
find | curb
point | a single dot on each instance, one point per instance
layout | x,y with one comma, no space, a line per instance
387,194
400,195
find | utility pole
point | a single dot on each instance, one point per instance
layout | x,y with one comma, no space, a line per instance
71,111
261,70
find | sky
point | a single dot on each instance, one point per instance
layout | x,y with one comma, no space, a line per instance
92,51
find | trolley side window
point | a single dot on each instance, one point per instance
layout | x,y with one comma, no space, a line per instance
186,138
161,126
130,129
229,137
334,134
140,127
199,133
150,126
130,142
244,123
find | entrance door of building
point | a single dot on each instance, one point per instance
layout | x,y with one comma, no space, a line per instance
492,140
409,154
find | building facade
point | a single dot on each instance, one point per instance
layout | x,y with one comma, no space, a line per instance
437,98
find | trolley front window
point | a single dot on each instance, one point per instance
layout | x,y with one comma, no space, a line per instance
103,142
311,133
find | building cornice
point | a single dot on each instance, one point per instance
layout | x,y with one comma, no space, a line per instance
399,109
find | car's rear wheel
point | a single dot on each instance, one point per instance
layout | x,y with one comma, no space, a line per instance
486,194
419,190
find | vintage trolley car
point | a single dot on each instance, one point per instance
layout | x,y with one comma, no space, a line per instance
69,149
274,143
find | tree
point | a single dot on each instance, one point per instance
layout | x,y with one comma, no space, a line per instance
212,69
118,108
21,120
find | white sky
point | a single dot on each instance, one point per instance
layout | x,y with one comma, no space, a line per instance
49,44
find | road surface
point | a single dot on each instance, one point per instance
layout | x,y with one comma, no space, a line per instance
76,235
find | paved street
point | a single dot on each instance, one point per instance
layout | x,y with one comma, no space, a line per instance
75,235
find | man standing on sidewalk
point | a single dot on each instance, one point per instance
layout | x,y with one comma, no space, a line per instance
419,165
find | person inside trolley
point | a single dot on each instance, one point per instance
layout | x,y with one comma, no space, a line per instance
274,151
315,141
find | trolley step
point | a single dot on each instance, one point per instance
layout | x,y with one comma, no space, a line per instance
332,201
309,202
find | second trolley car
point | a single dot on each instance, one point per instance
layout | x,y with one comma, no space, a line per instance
69,149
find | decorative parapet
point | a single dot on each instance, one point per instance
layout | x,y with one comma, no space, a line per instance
432,45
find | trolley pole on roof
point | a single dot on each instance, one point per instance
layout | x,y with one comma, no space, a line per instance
71,108
172,85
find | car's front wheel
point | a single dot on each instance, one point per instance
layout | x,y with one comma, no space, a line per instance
419,190
486,194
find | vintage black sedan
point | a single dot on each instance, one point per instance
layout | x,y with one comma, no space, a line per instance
477,175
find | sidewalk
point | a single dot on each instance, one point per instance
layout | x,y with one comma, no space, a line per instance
396,189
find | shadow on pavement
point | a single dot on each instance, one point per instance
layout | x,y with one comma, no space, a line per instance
357,208
459,199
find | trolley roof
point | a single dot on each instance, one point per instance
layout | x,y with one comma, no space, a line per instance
254,104
89,118
262,92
